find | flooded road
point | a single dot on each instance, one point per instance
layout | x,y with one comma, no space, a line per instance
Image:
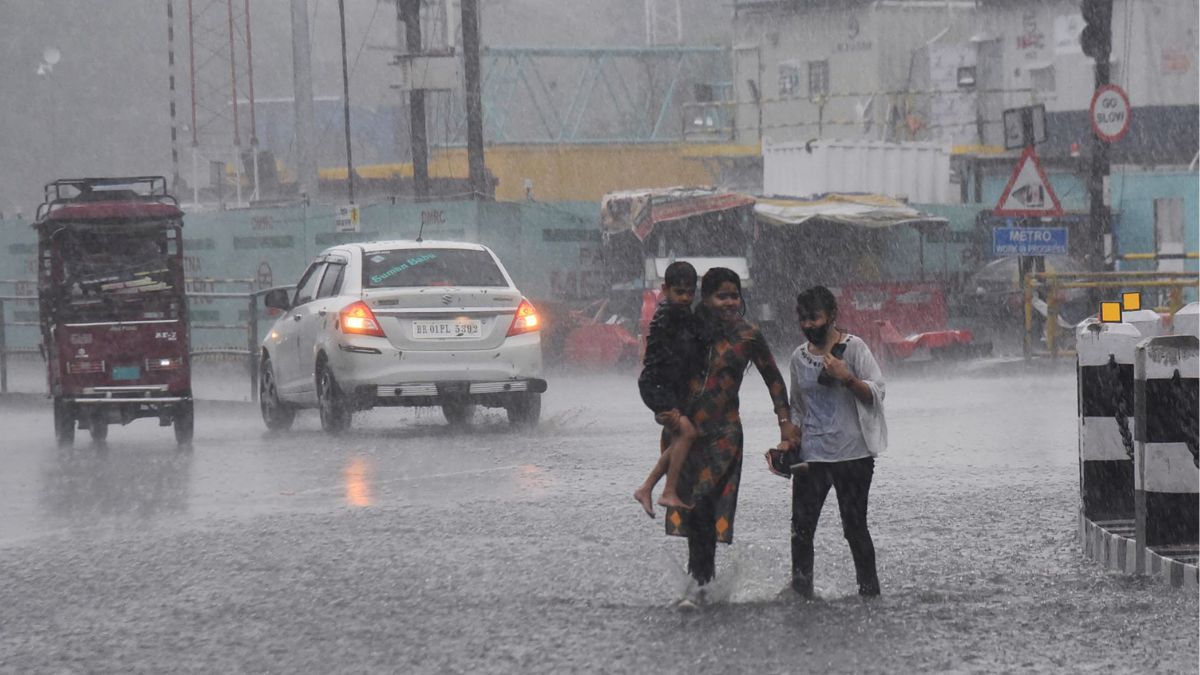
408,546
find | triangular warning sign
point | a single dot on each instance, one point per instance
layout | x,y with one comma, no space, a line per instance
1028,192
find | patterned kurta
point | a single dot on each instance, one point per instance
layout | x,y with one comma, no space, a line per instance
714,463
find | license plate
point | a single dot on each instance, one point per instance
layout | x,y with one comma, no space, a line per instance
126,372
447,330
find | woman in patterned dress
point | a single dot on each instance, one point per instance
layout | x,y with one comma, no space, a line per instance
709,479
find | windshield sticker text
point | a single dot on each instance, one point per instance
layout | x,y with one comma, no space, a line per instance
411,262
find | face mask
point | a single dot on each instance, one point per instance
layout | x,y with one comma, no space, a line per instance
817,334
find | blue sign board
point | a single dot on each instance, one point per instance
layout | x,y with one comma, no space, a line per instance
1029,241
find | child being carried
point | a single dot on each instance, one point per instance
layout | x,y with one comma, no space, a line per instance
674,354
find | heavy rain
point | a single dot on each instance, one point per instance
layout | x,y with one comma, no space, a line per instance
510,336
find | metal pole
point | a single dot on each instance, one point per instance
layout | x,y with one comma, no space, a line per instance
1028,342
171,79
192,72
253,124
237,139
346,104
302,98
1052,319
1099,217
409,12
192,82
474,96
3,352
252,345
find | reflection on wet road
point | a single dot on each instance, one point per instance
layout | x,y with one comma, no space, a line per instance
406,545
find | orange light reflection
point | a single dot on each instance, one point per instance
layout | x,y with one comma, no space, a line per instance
358,482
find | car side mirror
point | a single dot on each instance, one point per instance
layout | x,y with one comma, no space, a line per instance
277,298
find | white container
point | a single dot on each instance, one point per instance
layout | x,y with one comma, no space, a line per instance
916,172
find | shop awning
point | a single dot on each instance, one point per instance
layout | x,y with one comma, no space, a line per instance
638,211
860,210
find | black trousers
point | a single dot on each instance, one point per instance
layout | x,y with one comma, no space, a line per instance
702,541
852,482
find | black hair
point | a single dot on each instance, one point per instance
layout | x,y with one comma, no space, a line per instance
680,274
716,276
815,299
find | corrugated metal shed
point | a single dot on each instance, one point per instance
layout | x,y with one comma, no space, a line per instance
915,172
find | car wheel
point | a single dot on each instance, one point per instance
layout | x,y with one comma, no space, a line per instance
99,430
458,413
64,422
277,415
335,413
524,410
185,423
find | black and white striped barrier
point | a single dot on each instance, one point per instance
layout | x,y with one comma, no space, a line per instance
1105,400
1187,320
1167,464
1147,322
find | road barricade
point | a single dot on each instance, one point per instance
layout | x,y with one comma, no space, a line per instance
1106,423
1187,320
1167,466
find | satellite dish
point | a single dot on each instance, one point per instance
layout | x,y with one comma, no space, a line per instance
51,55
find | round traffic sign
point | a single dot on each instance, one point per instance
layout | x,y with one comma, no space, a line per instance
1110,113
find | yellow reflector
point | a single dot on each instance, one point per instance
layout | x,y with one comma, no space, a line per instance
1110,312
1131,302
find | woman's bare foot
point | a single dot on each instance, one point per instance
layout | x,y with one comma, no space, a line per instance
642,496
671,500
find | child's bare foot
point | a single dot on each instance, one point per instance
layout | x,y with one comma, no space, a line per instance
642,496
671,500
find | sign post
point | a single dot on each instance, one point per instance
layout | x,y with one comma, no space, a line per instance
346,219
1110,113
1029,195
1028,192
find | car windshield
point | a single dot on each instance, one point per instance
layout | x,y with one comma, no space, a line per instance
408,268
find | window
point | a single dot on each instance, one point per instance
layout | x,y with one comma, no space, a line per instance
789,78
818,79
308,284
1168,232
408,268
331,283
1042,79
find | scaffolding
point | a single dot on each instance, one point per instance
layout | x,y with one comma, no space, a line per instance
221,78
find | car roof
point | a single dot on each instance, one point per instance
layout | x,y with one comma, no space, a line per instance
372,246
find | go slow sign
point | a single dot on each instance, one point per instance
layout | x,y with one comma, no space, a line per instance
1110,113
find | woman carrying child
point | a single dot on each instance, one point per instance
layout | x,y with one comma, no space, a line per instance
712,469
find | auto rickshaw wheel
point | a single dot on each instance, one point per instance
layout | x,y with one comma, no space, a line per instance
99,430
64,422
185,423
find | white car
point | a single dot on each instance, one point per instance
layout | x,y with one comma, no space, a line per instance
402,323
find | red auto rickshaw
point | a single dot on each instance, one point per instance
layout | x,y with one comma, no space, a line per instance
112,305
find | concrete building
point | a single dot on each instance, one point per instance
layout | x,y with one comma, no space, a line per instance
917,70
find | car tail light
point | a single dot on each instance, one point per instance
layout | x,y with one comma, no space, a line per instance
85,367
358,319
164,363
526,320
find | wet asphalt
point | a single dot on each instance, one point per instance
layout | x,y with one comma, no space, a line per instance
410,546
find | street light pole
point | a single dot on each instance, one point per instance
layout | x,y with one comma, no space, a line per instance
346,104
471,67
